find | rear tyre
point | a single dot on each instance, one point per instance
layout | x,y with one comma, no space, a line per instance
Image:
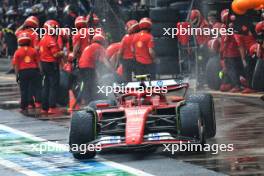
63,91
82,131
213,68
159,29
166,47
163,3
173,3
182,7
167,65
191,122
258,76
206,104
164,15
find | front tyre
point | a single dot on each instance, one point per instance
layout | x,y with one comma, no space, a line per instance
206,104
258,76
213,68
191,122
82,131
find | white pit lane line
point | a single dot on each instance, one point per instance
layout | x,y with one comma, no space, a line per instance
28,172
18,168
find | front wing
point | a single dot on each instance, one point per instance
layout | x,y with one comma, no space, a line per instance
153,139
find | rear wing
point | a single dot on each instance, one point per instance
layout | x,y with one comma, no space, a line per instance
170,85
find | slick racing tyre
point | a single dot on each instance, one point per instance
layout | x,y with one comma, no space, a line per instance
213,68
258,76
93,104
166,3
183,5
182,8
166,47
82,131
139,13
206,104
164,14
167,65
191,122
160,29
163,3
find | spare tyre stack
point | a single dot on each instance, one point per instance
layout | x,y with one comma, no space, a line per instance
217,6
128,14
166,15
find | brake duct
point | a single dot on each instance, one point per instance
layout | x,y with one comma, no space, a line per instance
240,7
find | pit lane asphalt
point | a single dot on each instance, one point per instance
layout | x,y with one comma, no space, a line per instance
240,121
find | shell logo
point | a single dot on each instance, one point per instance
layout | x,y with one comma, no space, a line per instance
139,44
27,59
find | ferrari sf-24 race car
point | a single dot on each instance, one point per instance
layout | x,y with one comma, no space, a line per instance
138,120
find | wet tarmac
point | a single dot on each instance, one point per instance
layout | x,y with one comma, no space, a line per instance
240,121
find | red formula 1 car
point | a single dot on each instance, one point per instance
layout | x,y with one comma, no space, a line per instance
143,118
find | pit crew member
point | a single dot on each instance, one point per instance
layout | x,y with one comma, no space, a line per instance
233,66
143,48
91,56
26,65
50,55
126,54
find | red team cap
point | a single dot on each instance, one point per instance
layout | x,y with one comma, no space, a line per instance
132,26
51,24
224,15
23,39
145,23
99,38
95,19
80,22
32,22
195,17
